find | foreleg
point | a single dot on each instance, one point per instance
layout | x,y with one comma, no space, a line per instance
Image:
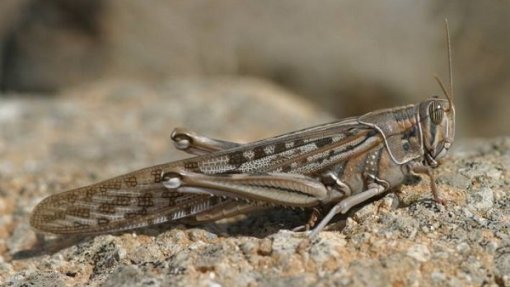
421,169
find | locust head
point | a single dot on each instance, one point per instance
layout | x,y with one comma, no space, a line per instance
437,117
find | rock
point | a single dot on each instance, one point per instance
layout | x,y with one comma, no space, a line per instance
482,199
463,248
130,276
419,252
48,145
502,263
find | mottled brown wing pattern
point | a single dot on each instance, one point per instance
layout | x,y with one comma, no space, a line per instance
139,198
304,152
134,200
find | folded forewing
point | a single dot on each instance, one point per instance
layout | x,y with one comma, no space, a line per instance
306,152
126,202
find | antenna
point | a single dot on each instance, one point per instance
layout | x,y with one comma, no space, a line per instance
450,57
448,94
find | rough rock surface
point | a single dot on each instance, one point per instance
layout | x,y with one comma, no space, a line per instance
403,239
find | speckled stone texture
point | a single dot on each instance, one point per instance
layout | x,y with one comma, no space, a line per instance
48,145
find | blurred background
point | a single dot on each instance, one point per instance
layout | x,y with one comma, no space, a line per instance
346,57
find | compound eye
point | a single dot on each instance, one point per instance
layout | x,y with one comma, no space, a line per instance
436,112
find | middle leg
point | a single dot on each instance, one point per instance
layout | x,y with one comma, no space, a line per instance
343,206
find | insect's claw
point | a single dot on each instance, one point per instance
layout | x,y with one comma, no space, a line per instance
441,201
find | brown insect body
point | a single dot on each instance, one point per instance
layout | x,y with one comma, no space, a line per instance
343,164
351,151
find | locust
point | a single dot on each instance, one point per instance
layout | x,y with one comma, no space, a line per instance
333,167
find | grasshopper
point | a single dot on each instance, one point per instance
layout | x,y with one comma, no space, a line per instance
333,166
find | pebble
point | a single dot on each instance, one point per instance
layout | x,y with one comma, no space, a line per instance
502,261
481,199
419,252
463,248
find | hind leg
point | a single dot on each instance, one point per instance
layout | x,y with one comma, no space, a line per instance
193,143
